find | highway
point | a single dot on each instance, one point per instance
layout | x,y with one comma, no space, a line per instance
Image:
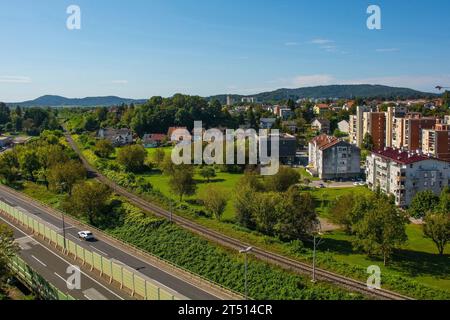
179,285
52,266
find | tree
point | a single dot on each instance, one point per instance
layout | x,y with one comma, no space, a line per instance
243,204
215,201
103,148
29,163
158,157
9,167
208,172
265,208
297,217
132,157
444,200
285,178
437,228
381,229
422,203
63,176
182,181
8,249
368,143
167,166
341,211
4,114
89,199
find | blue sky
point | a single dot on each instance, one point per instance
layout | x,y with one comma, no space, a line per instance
140,48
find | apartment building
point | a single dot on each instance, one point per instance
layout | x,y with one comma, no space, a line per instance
374,123
436,141
333,158
404,173
356,125
394,115
413,125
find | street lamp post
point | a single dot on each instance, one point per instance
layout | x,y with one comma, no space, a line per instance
64,232
315,245
245,251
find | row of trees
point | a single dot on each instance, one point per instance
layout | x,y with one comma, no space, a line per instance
8,248
275,206
32,121
44,161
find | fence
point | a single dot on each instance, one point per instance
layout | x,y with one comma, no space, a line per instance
120,274
36,282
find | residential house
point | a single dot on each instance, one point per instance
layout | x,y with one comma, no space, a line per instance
290,125
153,140
404,173
333,158
344,126
266,123
321,125
321,108
117,137
287,147
172,129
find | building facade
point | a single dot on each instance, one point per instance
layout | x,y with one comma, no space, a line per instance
332,158
436,141
403,174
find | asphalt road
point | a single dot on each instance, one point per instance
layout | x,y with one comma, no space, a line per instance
108,250
53,266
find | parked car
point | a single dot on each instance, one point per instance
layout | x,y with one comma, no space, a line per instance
86,235
321,186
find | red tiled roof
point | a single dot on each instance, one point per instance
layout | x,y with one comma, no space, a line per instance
403,157
172,129
322,106
324,140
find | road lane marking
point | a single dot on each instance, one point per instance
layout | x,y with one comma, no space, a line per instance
61,278
98,250
87,297
39,261
126,252
56,255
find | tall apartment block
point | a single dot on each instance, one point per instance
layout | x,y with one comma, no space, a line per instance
436,141
374,123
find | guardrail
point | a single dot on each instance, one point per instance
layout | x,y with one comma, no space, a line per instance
136,283
231,294
34,281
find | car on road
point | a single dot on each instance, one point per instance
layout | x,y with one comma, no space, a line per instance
320,186
85,235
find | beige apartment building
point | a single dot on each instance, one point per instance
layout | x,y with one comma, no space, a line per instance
436,141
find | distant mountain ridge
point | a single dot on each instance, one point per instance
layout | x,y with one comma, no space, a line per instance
333,91
58,101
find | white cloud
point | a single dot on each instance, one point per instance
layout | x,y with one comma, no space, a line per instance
387,50
120,81
321,41
14,79
312,80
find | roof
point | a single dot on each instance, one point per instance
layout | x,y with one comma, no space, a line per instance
401,156
323,140
154,137
322,121
172,129
109,132
322,106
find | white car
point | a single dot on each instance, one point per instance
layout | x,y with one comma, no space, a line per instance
85,235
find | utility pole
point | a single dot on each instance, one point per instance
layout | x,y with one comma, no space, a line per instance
315,245
245,251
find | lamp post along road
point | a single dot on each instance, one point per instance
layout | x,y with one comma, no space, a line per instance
315,245
245,251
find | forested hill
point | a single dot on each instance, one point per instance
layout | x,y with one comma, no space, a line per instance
58,101
334,91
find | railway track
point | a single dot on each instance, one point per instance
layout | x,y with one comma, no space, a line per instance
232,243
